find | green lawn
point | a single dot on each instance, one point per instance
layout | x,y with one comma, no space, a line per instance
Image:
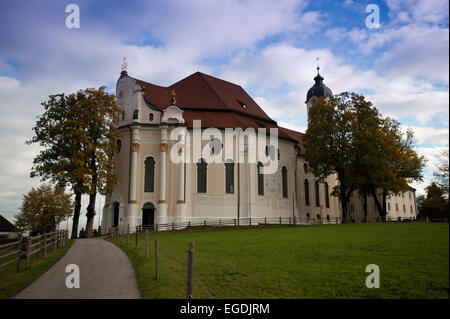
12,283
323,261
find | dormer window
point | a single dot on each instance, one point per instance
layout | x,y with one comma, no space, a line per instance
242,104
135,114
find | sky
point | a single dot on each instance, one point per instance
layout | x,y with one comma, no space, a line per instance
268,47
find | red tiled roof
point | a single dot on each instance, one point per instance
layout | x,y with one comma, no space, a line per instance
297,136
217,103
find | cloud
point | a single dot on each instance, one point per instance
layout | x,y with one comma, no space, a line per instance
269,45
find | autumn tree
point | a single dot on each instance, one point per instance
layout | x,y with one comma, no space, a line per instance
76,133
329,145
62,159
348,136
385,159
43,208
435,204
100,114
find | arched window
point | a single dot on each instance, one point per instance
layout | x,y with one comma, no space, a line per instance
396,207
316,186
149,175
284,180
201,176
327,196
404,208
305,168
259,168
216,146
389,206
229,177
135,114
150,117
328,218
306,192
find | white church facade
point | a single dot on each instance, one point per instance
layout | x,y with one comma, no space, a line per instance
176,163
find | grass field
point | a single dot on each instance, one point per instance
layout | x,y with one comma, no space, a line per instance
323,261
12,283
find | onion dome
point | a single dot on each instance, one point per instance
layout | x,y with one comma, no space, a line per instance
318,89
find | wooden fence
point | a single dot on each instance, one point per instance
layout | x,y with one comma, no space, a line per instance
25,248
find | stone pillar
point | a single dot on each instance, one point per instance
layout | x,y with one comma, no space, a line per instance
107,217
132,210
180,207
161,217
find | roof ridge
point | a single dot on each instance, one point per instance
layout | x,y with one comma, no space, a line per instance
209,84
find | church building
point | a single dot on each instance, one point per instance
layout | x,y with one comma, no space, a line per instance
162,178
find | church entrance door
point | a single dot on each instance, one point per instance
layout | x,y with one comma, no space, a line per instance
148,215
116,215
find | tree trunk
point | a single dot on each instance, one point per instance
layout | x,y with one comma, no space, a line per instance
76,215
91,206
90,215
377,202
384,204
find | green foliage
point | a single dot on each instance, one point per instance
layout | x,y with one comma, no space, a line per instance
435,197
369,153
43,208
77,133
442,172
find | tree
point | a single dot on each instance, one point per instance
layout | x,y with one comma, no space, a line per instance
442,172
77,133
436,204
61,134
43,208
328,144
348,136
100,114
386,160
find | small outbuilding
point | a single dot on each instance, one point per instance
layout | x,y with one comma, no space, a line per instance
7,229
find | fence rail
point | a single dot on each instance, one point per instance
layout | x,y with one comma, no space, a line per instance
261,221
26,247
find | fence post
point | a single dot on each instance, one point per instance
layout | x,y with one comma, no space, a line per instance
235,222
280,220
204,223
250,221
173,226
156,259
128,233
55,240
19,255
38,251
44,245
136,237
146,243
27,264
190,271
265,221
220,222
